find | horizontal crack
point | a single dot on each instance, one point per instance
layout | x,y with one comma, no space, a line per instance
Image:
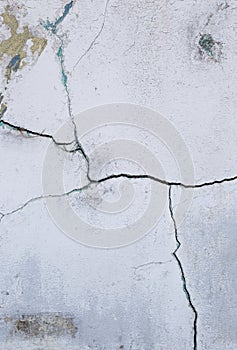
68,193
112,176
37,134
117,176
147,264
150,263
166,182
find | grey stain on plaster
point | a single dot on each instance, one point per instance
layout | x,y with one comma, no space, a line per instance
42,325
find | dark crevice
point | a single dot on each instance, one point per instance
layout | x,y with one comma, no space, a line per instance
117,176
80,149
52,27
36,133
166,182
185,288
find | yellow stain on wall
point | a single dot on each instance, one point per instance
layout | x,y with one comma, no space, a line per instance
15,46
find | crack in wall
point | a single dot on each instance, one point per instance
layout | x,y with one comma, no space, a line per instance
53,28
209,48
130,176
95,38
29,132
147,265
34,199
117,176
166,182
150,263
91,181
221,7
185,288
33,133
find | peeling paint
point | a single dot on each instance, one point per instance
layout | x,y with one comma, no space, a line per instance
53,26
15,46
209,47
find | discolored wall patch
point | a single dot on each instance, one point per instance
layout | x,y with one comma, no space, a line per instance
41,325
15,46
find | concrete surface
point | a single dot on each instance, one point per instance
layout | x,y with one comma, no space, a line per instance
175,286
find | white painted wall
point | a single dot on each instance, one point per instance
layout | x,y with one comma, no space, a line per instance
146,53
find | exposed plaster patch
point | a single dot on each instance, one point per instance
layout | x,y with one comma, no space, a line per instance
15,46
42,325
209,48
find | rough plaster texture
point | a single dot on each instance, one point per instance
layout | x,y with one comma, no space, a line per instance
176,287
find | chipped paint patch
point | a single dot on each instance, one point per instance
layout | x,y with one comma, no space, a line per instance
3,106
53,26
42,325
209,48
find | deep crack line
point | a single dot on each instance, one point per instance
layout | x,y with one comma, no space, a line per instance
166,182
36,134
112,176
128,176
185,288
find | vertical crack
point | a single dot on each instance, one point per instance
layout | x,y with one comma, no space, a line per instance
53,28
79,147
185,288
95,38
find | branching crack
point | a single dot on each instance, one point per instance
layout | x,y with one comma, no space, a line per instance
117,176
53,28
79,147
185,288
